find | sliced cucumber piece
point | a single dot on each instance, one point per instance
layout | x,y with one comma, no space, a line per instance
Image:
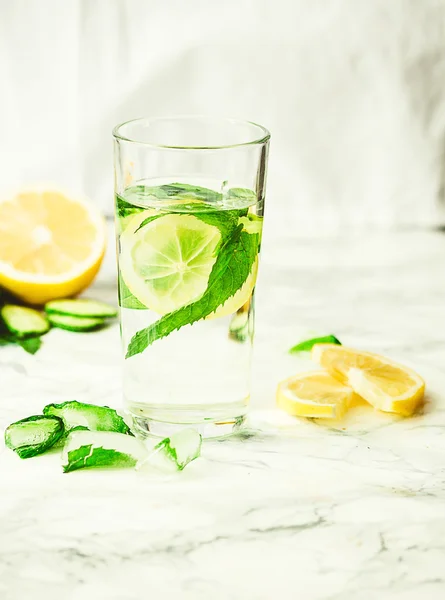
75,323
33,435
81,308
97,418
23,321
98,449
307,345
177,451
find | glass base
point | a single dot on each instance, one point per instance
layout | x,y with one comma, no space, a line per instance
145,427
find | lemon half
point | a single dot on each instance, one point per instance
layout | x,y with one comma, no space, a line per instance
51,244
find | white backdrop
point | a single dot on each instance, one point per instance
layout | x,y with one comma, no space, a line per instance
352,90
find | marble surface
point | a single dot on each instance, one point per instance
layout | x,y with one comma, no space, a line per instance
292,509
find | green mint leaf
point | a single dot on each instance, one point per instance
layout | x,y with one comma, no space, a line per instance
243,194
33,435
149,220
184,190
225,220
30,345
307,345
86,449
232,267
209,214
97,418
6,340
125,209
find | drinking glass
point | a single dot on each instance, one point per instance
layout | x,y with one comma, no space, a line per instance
189,213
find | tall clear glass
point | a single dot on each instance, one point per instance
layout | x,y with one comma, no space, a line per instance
189,213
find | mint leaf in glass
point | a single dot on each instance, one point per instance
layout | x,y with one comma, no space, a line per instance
306,345
100,449
125,209
97,418
34,435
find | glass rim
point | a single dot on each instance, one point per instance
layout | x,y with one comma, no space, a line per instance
260,140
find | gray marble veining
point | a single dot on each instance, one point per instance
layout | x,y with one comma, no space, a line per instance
292,508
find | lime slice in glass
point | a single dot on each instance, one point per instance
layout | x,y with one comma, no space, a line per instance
166,263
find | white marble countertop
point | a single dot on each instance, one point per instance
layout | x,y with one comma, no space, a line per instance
297,509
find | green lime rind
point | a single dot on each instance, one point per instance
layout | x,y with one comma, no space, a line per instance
23,322
95,418
81,307
307,345
34,435
178,450
126,298
76,323
101,449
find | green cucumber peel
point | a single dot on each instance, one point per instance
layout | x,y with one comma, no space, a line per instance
81,307
177,451
34,435
95,418
101,449
76,324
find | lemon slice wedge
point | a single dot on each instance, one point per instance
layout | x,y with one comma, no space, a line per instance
387,385
314,394
166,264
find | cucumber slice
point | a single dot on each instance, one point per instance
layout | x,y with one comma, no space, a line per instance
307,345
100,449
75,323
177,451
23,321
97,418
33,435
81,308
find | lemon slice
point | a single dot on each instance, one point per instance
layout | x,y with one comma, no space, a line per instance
167,263
51,244
314,394
383,383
